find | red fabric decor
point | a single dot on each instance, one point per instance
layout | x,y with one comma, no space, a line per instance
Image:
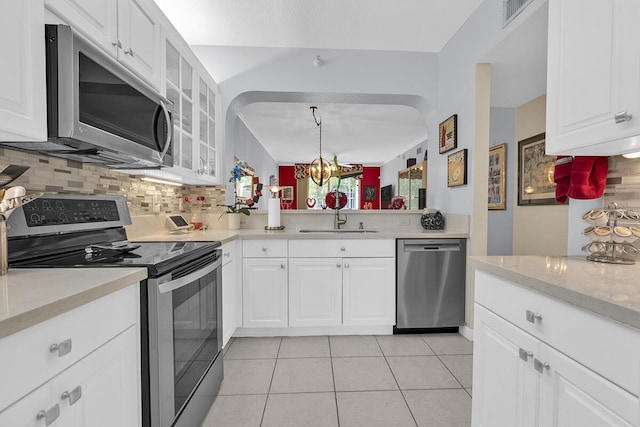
588,177
562,177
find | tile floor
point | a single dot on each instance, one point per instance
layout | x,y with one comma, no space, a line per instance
346,381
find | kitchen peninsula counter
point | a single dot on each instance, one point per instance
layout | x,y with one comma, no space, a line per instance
225,236
610,290
32,295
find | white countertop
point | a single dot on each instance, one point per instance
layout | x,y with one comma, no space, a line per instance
29,295
609,290
229,235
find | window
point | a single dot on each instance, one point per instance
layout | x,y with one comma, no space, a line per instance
349,186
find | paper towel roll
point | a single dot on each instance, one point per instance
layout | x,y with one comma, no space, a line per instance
274,212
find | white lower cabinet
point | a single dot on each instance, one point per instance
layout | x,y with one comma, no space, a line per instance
521,380
315,291
231,290
79,384
264,285
368,291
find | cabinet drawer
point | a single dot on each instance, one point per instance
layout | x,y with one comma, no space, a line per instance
27,361
582,335
264,248
347,248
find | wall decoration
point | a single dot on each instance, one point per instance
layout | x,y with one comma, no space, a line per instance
535,173
449,134
497,177
457,168
370,192
287,192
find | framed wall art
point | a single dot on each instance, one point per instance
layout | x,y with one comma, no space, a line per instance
497,177
287,192
457,168
369,192
535,173
448,135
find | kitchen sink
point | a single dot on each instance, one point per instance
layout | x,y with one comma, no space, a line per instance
341,230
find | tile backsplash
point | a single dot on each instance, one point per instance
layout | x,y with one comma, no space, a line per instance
623,182
54,175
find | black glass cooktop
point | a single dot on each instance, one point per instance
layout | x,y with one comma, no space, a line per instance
158,257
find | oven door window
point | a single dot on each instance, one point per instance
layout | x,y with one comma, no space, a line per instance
195,334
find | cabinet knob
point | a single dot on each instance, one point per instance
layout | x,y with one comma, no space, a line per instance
342,249
533,317
50,415
338,265
62,348
117,43
622,117
128,51
73,395
282,266
264,249
540,366
226,254
346,266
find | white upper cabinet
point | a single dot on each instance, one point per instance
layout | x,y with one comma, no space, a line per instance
128,29
23,115
593,78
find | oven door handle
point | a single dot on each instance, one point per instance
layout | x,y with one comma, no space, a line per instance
189,278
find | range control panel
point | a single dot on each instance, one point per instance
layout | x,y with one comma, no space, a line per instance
43,212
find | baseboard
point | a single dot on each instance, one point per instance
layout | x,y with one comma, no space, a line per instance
297,331
466,332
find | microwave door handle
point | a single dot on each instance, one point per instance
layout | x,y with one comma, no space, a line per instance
189,278
167,116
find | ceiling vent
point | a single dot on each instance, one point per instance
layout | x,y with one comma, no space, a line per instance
511,9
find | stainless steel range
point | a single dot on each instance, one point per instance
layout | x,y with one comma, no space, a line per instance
181,324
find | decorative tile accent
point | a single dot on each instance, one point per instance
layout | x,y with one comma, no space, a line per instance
623,182
54,175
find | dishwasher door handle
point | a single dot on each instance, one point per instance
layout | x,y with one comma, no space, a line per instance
433,248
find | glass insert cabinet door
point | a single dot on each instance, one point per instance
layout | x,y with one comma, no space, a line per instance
410,180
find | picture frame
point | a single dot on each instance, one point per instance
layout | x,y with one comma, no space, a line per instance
448,134
497,178
370,192
457,168
287,192
535,173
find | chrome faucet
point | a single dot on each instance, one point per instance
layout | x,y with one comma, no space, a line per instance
337,222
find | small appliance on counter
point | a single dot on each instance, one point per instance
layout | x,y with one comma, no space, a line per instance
432,219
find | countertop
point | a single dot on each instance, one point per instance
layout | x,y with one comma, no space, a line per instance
225,236
610,290
30,295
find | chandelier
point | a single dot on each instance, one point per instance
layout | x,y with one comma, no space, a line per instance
320,169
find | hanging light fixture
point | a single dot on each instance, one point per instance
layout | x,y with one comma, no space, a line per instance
320,169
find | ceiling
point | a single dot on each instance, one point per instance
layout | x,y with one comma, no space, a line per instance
356,133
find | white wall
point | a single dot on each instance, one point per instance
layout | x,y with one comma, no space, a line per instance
537,230
500,228
248,149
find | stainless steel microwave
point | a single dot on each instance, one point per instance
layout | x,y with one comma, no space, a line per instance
99,112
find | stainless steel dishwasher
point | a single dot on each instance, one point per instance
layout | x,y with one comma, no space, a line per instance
430,283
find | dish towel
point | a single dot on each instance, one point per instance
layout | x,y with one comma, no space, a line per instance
580,177
562,177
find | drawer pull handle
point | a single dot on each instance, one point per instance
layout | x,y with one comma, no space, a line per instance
338,265
622,117
73,396
540,366
524,354
532,317
50,415
226,254
346,266
264,249
282,266
63,348
343,249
